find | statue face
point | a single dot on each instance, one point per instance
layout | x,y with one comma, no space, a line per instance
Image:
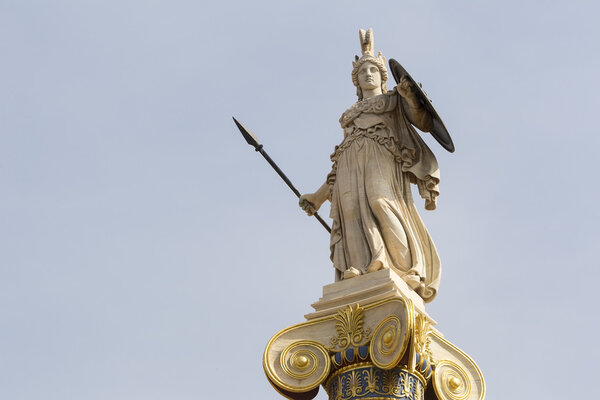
369,76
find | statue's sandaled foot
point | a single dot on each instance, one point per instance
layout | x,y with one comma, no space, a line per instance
351,273
413,281
375,266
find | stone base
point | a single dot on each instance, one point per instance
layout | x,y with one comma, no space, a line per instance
366,289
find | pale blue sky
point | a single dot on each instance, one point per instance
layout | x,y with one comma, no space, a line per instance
147,252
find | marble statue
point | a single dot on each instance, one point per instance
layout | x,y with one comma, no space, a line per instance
375,222
370,336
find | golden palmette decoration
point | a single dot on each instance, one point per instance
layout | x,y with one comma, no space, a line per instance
406,385
349,326
422,337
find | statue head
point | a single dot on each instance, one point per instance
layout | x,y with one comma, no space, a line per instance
359,64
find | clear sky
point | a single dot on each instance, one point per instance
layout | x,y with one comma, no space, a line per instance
147,252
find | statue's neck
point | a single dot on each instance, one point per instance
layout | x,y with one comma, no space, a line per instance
371,93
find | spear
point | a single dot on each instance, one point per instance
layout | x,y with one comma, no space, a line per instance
253,141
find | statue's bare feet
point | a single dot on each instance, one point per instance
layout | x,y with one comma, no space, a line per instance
375,266
413,281
351,273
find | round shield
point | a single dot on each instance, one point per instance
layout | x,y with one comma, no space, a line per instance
439,131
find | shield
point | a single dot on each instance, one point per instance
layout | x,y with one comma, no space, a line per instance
439,131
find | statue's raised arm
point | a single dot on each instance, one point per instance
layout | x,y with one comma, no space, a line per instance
375,221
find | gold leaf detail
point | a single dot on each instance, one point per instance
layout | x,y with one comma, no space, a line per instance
423,337
349,326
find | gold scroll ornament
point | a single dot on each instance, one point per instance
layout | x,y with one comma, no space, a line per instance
297,359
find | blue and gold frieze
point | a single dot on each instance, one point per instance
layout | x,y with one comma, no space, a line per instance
366,381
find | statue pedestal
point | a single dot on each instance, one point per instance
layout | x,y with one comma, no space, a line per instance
366,289
370,338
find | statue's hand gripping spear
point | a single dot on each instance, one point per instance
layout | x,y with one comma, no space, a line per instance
253,141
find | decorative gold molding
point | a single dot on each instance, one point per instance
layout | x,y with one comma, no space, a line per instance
390,340
349,327
306,363
365,380
422,337
299,358
450,381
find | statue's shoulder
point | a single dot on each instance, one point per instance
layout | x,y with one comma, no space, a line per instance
351,113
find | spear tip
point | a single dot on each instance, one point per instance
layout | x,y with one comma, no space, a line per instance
249,136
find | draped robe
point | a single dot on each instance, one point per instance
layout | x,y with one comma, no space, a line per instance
375,222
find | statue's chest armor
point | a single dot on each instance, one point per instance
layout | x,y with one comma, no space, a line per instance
368,112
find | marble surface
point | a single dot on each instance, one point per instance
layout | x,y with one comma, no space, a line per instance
366,289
